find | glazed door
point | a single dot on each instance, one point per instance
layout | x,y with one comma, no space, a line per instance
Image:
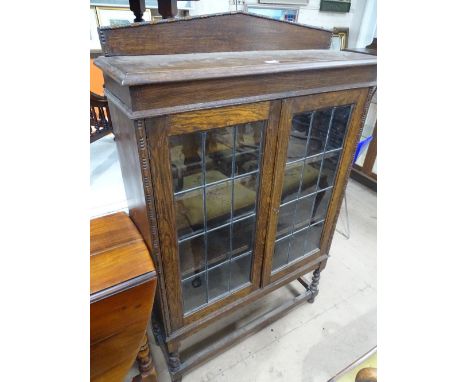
316,142
212,173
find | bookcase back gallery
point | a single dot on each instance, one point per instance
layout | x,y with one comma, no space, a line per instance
235,135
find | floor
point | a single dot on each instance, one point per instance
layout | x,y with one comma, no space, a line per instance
314,341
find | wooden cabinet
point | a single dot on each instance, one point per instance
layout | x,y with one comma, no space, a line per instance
234,162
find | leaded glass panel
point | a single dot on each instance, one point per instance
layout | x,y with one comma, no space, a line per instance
314,151
216,176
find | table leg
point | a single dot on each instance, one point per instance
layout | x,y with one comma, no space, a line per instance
145,364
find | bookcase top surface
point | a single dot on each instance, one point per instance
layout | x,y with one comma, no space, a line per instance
153,69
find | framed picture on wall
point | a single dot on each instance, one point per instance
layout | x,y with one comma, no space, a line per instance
284,14
118,16
339,38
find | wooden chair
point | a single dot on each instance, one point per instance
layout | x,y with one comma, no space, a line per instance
100,120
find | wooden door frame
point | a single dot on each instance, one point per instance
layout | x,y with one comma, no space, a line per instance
158,131
292,106
371,156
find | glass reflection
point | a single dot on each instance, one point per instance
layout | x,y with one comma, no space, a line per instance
310,175
218,281
194,291
189,213
240,271
245,195
299,136
296,249
338,128
218,245
312,237
318,136
291,181
303,212
192,256
329,168
219,151
285,219
186,166
280,255
321,205
242,235
218,204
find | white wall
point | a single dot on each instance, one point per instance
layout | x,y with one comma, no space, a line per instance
205,7
368,29
361,20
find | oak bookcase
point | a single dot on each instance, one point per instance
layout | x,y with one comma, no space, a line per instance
236,135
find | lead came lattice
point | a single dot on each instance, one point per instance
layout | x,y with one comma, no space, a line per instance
216,176
314,151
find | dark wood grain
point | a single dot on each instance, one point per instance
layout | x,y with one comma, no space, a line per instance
359,176
370,49
265,201
148,101
208,119
247,89
158,146
130,140
155,69
283,129
127,149
234,32
302,104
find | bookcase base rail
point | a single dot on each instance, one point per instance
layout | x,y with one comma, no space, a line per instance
178,368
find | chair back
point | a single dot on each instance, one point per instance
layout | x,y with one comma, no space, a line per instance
99,120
